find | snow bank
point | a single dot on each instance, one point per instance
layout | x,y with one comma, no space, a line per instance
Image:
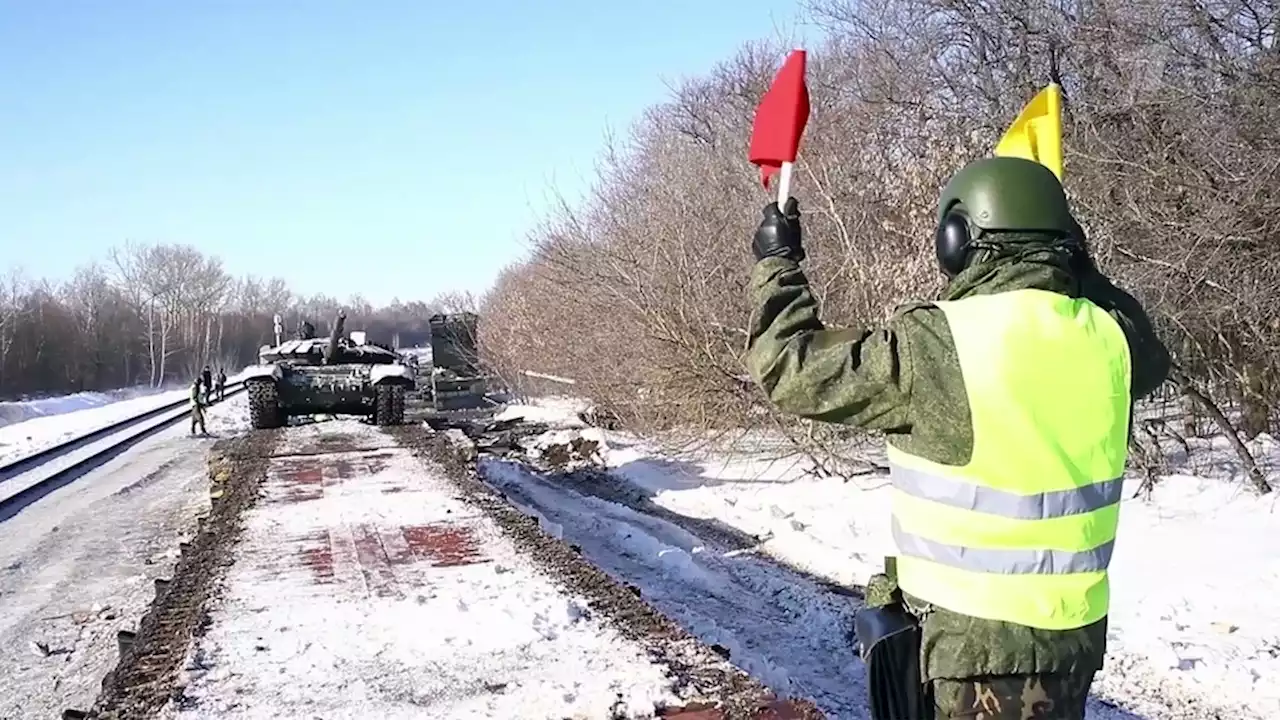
1195,575
31,436
21,410
74,415
787,632
560,411
229,417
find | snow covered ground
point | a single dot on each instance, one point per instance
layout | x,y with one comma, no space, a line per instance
79,564
15,411
1195,627
789,633
71,416
364,587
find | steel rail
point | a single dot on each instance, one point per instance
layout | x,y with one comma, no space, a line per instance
115,439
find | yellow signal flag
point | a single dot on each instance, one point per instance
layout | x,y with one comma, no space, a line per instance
1037,133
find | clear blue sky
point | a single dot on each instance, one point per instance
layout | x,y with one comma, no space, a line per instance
312,138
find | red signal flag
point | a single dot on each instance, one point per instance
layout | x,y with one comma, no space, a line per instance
780,119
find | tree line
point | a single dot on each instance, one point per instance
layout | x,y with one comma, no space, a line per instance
155,314
1171,134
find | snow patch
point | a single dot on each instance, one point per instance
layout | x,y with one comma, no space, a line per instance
1196,569
560,411
568,449
787,632
68,417
17,411
229,417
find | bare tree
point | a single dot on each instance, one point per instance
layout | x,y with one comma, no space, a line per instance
11,311
153,314
456,301
1172,166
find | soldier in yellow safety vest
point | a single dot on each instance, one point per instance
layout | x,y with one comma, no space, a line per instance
1006,406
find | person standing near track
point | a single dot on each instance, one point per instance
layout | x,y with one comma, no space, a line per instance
206,375
220,384
1006,406
197,408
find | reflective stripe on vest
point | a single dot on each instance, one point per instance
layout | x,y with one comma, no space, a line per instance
1025,530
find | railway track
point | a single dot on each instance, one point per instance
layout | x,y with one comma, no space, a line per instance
30,478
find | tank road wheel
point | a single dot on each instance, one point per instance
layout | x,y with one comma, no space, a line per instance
264,405
388,406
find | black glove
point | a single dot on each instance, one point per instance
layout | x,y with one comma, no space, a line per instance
779,233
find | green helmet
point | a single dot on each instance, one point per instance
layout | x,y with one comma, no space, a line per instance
999,195
1002,194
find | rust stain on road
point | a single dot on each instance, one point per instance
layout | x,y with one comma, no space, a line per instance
302,480
444,544
317,555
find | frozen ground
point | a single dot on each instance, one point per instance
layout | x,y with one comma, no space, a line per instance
1195,628
790,634
79,564
14,411
363,587
71,416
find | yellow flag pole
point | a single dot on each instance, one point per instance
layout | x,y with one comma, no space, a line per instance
1036,134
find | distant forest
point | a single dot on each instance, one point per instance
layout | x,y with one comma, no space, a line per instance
155,314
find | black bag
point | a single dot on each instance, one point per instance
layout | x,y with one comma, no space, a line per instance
889,644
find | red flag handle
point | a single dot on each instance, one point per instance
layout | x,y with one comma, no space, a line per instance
784,184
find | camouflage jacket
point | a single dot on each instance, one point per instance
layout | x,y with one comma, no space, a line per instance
904,380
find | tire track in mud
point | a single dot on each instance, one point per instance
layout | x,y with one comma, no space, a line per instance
789,631
151,657
785,627
699,668
597,483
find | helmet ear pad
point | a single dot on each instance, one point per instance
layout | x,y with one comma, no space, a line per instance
952,240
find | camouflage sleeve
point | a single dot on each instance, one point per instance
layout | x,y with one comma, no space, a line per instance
852,377
1149,356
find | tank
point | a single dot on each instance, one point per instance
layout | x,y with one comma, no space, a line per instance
334,375
458,382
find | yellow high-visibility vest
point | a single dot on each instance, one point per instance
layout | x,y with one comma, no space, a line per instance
1024,531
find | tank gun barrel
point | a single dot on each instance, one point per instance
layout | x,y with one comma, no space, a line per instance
331,352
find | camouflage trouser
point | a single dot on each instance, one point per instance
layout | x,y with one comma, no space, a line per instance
1014,697
197,418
